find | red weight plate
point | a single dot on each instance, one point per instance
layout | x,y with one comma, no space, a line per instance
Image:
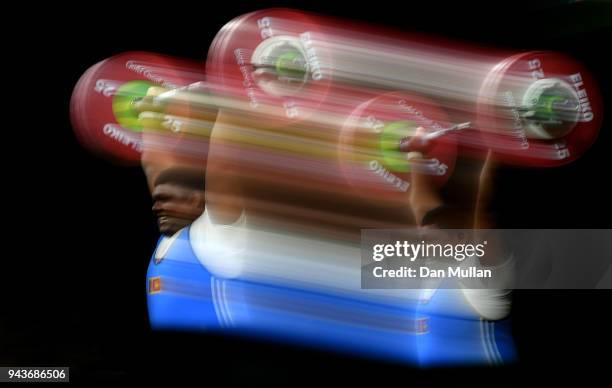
369,146
91,107
519,85
248,60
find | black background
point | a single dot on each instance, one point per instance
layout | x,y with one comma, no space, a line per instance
83,229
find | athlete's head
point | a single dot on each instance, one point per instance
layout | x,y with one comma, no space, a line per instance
178,198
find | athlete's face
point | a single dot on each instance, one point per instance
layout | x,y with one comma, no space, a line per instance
176,206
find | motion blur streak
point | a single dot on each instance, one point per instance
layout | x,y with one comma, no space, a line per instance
308,129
